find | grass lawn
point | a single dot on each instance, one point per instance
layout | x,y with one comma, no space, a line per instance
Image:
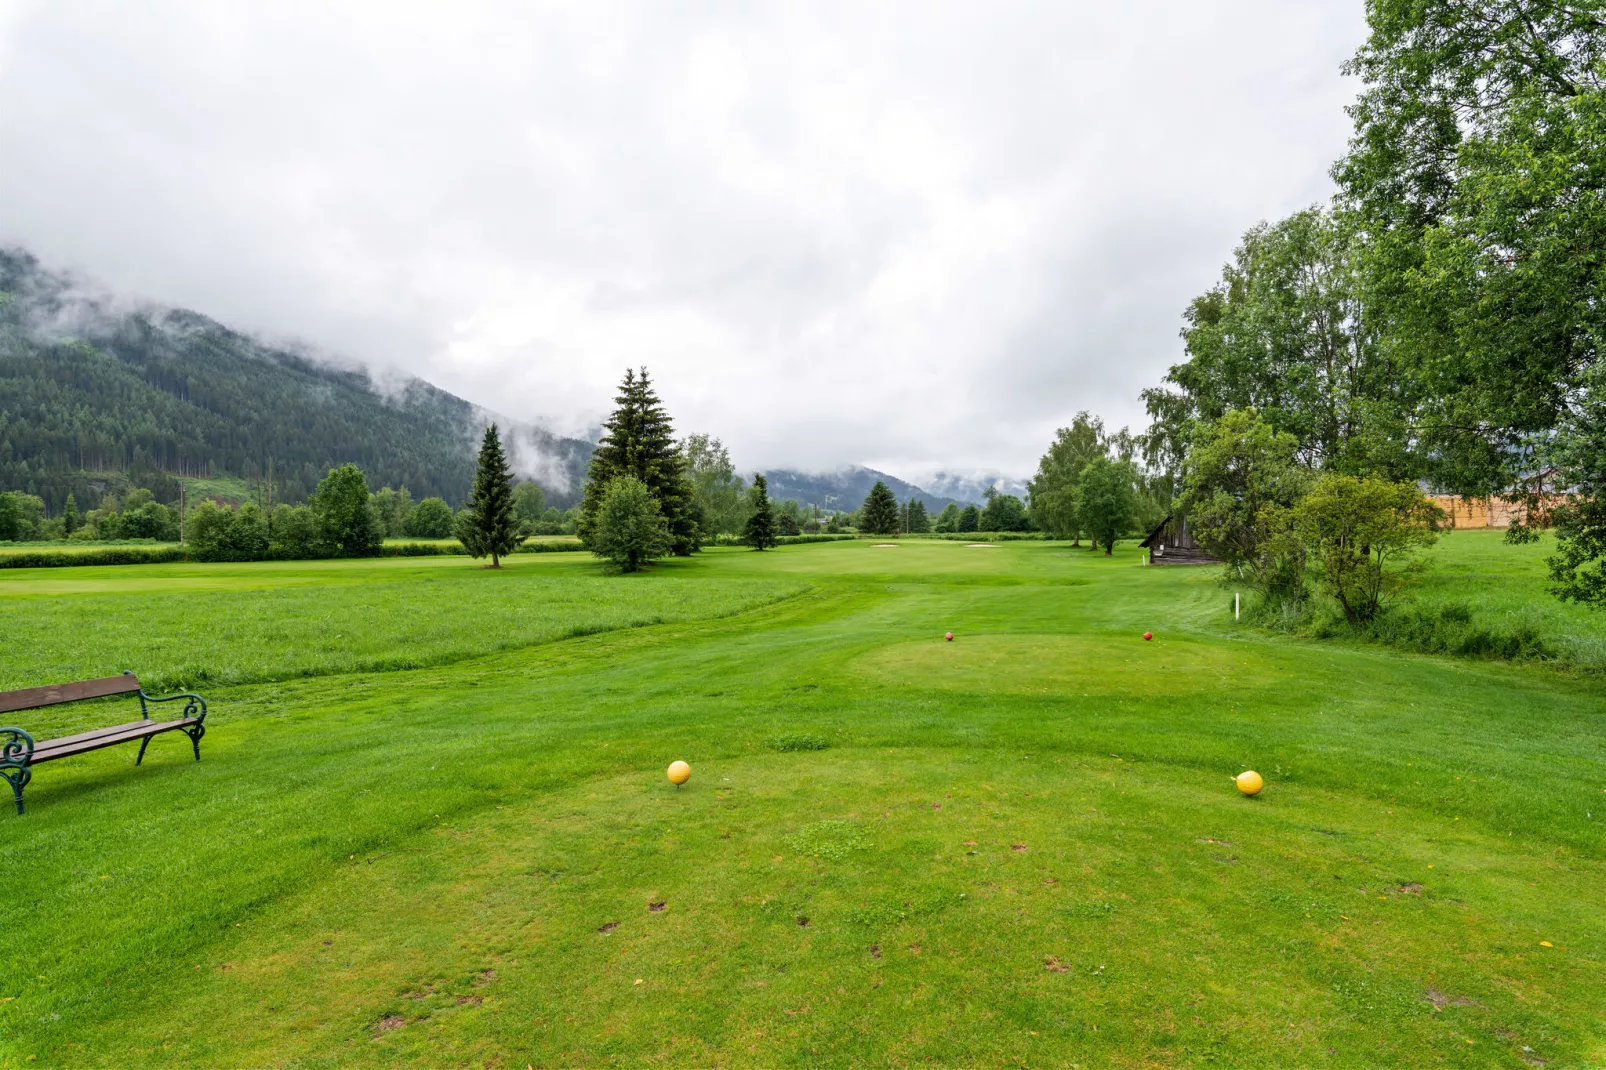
1019,847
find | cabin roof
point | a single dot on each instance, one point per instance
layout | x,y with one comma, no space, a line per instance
1155,534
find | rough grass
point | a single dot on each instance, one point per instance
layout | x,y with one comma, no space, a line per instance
1477,597
190,626
994,862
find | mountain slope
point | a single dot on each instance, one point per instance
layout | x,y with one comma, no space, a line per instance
843,489
92,394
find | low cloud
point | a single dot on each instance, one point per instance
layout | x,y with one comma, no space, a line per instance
916,237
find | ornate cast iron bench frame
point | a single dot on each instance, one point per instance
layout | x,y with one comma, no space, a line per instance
19,753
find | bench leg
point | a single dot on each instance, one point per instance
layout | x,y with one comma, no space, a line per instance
142,745
195,732
19,780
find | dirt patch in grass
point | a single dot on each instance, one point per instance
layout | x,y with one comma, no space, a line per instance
608,928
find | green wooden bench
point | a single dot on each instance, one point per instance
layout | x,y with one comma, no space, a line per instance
19,753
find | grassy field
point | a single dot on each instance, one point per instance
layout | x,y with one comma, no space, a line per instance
1020,847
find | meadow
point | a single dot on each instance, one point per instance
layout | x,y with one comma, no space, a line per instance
431,824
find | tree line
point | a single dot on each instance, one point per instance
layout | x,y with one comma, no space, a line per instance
1437,325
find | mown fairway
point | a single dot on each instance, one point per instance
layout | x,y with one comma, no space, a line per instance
1021,847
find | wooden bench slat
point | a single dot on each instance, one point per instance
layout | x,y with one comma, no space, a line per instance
61,741
138,730
31,698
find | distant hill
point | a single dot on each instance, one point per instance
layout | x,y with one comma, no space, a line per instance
844,489
96,393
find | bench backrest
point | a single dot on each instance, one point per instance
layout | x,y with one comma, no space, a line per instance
31,698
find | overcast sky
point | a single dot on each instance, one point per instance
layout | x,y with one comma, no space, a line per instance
911,235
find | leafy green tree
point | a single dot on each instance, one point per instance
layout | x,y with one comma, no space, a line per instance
1106,500
629,527
1053,490
347,522
879,514
640,442
1003,512
1358,530
394,507
294,533
492,529
760,518
1286,332
948,519
1477,174
529,505
206,528
554,521
716,488
247,536
969,519
789,518
69,515
1577,456
1241,481
147,519
431,519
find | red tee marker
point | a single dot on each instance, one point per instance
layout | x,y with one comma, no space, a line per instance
948,636
1147,636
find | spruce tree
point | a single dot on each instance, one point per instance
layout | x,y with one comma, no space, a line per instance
69,516
761,524
492,527
879,514
640,442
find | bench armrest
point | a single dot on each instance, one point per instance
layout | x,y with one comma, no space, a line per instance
195,707
16,747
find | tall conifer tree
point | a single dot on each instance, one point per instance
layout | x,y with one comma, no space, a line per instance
492,527
879,515
641,442
761,524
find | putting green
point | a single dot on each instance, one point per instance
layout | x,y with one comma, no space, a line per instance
1073,665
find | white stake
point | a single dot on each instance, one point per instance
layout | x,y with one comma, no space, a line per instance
1235,605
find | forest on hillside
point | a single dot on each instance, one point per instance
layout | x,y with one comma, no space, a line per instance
96,398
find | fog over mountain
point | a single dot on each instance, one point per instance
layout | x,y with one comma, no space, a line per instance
916,237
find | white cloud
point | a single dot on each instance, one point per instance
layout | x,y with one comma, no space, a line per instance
913,235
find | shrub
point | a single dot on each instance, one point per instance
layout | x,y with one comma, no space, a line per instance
1359,530
348,524
110,555
295,534
630,528
432,519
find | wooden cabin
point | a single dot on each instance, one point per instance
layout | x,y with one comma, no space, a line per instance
1173,544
